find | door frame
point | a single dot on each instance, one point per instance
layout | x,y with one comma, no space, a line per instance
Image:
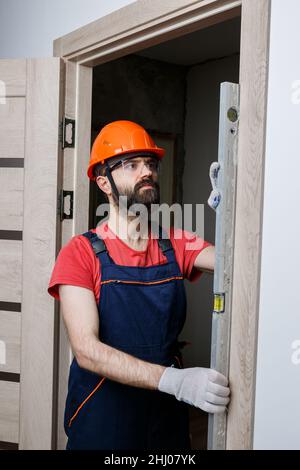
135,27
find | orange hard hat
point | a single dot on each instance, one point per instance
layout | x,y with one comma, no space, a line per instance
119,138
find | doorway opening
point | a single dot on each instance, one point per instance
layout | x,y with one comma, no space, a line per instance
173,90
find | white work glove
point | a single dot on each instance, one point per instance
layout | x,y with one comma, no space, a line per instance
203,388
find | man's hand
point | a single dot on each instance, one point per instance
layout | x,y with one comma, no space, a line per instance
203,388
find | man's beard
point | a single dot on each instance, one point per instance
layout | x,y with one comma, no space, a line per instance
147,197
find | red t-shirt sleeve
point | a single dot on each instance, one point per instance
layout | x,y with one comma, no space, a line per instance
75,265
187,247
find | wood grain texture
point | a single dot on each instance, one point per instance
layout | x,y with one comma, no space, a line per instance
11,271
12,128
248,226
12,77
10,335
69,153
42,154
77,106
152,19
82,148
9,411
11,200
67,227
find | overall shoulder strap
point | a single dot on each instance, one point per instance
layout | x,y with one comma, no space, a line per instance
165,244
99,247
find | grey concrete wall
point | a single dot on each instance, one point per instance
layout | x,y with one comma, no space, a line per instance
148,91
201,148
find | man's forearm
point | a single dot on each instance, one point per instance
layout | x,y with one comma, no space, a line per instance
119,366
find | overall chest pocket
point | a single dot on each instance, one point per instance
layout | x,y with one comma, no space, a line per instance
139,315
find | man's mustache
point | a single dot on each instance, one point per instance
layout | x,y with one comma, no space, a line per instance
146,183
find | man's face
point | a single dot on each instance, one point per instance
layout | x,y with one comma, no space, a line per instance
137,179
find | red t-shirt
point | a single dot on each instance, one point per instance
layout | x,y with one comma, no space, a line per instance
77,264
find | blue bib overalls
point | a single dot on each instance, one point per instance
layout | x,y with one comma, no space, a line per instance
141,312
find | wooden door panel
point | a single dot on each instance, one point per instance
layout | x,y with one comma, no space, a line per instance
31,108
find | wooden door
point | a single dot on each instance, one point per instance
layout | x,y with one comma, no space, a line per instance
31,99
78,107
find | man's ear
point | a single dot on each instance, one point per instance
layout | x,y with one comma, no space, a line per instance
104,184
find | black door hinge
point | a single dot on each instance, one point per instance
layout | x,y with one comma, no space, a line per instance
67,133
65,204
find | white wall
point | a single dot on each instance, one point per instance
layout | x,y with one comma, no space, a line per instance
277,410
28,27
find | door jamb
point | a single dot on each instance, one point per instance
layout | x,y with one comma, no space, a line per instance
119,34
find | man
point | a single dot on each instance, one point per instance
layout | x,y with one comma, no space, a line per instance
123,304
